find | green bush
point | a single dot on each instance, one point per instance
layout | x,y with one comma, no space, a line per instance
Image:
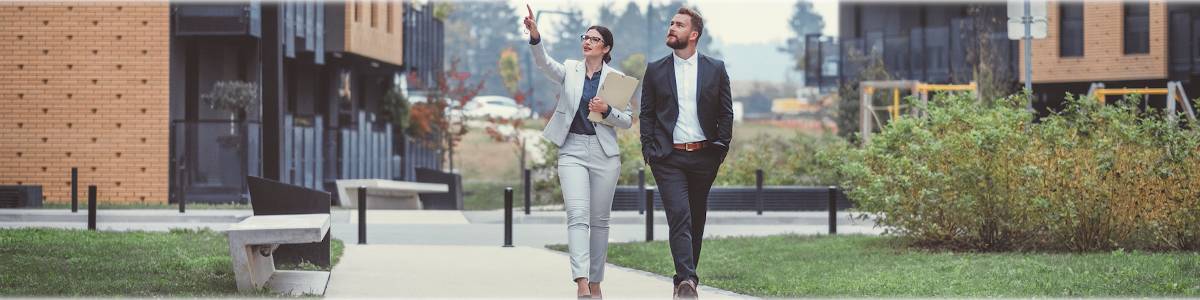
546,189
791,161
784,161
986,177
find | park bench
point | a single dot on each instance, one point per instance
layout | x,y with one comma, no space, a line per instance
386,194
269,197
253,241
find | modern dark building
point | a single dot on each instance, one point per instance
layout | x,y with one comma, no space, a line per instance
1132,44
323,69
928,42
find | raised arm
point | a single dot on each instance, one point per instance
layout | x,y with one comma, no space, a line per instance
552,68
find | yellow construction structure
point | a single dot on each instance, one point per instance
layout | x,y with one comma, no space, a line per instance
1176,97
867,109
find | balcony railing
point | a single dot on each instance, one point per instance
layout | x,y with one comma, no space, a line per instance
211,19
928,54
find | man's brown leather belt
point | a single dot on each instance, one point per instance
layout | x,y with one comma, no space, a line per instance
690,147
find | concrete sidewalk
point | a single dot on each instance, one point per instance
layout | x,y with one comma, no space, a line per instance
401,271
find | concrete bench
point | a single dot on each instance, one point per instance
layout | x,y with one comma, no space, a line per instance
253,240
386,194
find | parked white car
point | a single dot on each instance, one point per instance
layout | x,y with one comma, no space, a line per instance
499,107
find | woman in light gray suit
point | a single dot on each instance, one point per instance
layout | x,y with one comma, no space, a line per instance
588,157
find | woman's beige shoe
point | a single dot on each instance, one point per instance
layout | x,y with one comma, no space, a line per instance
585,292
595,289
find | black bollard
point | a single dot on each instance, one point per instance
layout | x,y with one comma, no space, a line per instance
649,215
641,188
74,189
528,187
183,176
758,195
92,207
833,193
362,215
182,202
508,217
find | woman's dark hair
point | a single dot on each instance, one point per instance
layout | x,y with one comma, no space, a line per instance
608,39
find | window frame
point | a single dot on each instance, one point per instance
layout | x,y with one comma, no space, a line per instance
1064,36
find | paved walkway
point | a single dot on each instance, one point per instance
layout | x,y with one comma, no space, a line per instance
410,271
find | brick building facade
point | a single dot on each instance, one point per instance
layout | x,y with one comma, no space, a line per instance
115,89
84,84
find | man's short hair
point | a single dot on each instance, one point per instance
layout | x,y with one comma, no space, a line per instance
697,20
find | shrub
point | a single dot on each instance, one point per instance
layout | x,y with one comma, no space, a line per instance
784,161
792,161
986,177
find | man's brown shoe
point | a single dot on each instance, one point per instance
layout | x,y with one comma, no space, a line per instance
686,290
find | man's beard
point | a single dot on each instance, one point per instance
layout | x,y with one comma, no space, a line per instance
679,43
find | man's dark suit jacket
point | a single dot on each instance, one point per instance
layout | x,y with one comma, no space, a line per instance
660,106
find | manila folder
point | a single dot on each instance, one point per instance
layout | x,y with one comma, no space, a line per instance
617,90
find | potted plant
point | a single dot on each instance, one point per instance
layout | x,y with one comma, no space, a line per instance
233,97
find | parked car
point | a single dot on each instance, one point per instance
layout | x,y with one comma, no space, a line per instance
499,107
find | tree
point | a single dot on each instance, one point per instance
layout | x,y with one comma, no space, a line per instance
989,61
476,31
634,65
804,21
238,98
442,10
510,70
628,32
846,113
395,106
430,120
510,74
607,15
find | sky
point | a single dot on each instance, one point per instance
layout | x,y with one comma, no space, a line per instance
748,32
729,21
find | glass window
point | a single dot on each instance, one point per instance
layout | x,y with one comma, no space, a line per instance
1070,39
1137,27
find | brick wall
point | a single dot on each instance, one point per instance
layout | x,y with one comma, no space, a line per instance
375,40
84,84
1103,47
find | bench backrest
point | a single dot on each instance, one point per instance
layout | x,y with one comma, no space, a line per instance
269,197
452,200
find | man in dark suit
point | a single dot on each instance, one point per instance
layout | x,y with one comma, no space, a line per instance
687,127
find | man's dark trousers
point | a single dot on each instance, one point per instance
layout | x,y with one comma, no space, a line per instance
684,179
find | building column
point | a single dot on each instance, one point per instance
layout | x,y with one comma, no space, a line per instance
273,93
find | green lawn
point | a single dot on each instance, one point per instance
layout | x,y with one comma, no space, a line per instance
863,266
490,195
73,263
